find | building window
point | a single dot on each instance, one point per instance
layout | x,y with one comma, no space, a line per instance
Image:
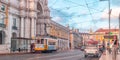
2,7
14,21
2,36
14,24
42,41
2,18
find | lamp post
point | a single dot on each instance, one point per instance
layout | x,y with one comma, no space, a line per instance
119,31
109,10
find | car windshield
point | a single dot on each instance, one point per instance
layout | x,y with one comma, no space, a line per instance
91,46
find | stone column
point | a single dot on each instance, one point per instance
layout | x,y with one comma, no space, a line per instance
22,27
35,27
27,27
32,28
26,31
42,29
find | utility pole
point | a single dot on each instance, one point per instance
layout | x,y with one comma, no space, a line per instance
119,31
109,11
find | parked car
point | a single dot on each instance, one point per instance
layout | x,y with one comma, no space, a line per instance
91,50
82,48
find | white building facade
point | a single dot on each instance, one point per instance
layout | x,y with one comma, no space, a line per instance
61,33
18,22
75,39
21,21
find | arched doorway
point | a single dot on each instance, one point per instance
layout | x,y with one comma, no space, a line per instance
2,37
14,35
14,42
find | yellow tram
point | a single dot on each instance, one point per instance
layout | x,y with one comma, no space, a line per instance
45,45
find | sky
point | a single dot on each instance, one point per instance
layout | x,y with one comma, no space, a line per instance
84,14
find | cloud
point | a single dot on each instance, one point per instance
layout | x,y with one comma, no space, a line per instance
61,16
57,19
79,17
114,13
116,2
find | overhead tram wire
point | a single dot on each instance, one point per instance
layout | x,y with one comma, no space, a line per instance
77,3
89,7
68,16
93,2
68,7
77,6
59,12
83,22
83,6
53,3
90,12
76,15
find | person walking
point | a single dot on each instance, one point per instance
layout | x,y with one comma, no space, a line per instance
114,50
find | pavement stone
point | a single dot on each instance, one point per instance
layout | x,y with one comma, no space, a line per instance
107,56
14,53
24,52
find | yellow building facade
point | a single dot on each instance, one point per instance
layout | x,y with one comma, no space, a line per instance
102,34
60,33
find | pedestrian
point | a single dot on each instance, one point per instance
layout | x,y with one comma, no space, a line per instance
32,47
100,48
103,45
109,47
19,49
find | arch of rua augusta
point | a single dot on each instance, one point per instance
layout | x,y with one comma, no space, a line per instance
25,19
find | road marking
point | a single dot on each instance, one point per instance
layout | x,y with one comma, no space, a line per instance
66,57
59,54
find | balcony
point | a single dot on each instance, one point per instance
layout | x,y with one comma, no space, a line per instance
14,27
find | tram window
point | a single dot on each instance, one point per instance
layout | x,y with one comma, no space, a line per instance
38,41
46,42
51,43
42,41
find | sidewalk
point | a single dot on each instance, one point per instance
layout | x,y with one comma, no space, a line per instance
107,56
14,53
24,52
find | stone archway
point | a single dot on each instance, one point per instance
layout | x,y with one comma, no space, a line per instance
14,42
40,17
14,35
40,9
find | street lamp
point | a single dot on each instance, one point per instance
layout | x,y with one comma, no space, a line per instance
119,31
109,10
